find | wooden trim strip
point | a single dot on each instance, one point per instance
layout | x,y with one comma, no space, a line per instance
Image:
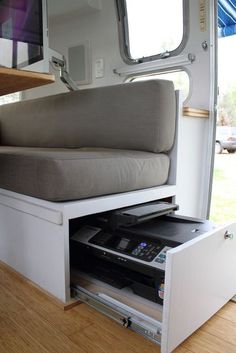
195,112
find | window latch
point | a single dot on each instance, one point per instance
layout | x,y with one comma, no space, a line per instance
165,55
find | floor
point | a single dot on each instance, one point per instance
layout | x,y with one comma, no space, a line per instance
32,322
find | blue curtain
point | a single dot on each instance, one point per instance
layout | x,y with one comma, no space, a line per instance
226,18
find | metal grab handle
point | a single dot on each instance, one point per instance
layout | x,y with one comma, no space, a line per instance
228,235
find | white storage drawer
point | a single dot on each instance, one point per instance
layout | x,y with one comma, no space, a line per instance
199,279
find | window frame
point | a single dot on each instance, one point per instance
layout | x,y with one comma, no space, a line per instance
132,78
123,29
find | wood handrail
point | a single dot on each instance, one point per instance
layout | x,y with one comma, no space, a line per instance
195,112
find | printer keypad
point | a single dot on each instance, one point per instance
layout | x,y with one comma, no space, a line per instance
161,258
146,251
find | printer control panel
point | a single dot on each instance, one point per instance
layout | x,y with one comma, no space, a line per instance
142,249
145,250
161,257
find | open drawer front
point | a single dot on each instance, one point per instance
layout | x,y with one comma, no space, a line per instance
199,279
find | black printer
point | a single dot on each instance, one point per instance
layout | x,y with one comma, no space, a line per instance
127,247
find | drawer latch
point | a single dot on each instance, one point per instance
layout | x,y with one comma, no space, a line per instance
228,235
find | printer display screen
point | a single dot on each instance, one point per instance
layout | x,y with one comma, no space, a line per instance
123,244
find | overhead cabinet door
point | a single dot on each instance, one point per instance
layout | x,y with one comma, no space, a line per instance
200,278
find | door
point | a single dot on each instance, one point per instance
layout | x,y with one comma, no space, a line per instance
146,28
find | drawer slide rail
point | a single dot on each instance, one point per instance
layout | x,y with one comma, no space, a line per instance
123,317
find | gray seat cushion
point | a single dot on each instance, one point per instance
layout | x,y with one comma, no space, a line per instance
131,116
72,174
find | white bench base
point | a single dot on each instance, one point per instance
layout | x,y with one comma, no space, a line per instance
34,234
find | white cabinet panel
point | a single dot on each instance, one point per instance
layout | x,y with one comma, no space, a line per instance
200,279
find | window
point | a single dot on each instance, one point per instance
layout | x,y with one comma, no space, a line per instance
179,78
21,35
10,98
151,28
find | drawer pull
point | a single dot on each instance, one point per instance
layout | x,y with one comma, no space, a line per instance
228,235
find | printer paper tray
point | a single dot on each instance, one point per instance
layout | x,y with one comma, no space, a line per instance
199,280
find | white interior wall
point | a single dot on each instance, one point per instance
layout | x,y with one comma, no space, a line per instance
101,30
196,138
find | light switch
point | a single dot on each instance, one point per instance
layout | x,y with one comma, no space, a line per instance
99,68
